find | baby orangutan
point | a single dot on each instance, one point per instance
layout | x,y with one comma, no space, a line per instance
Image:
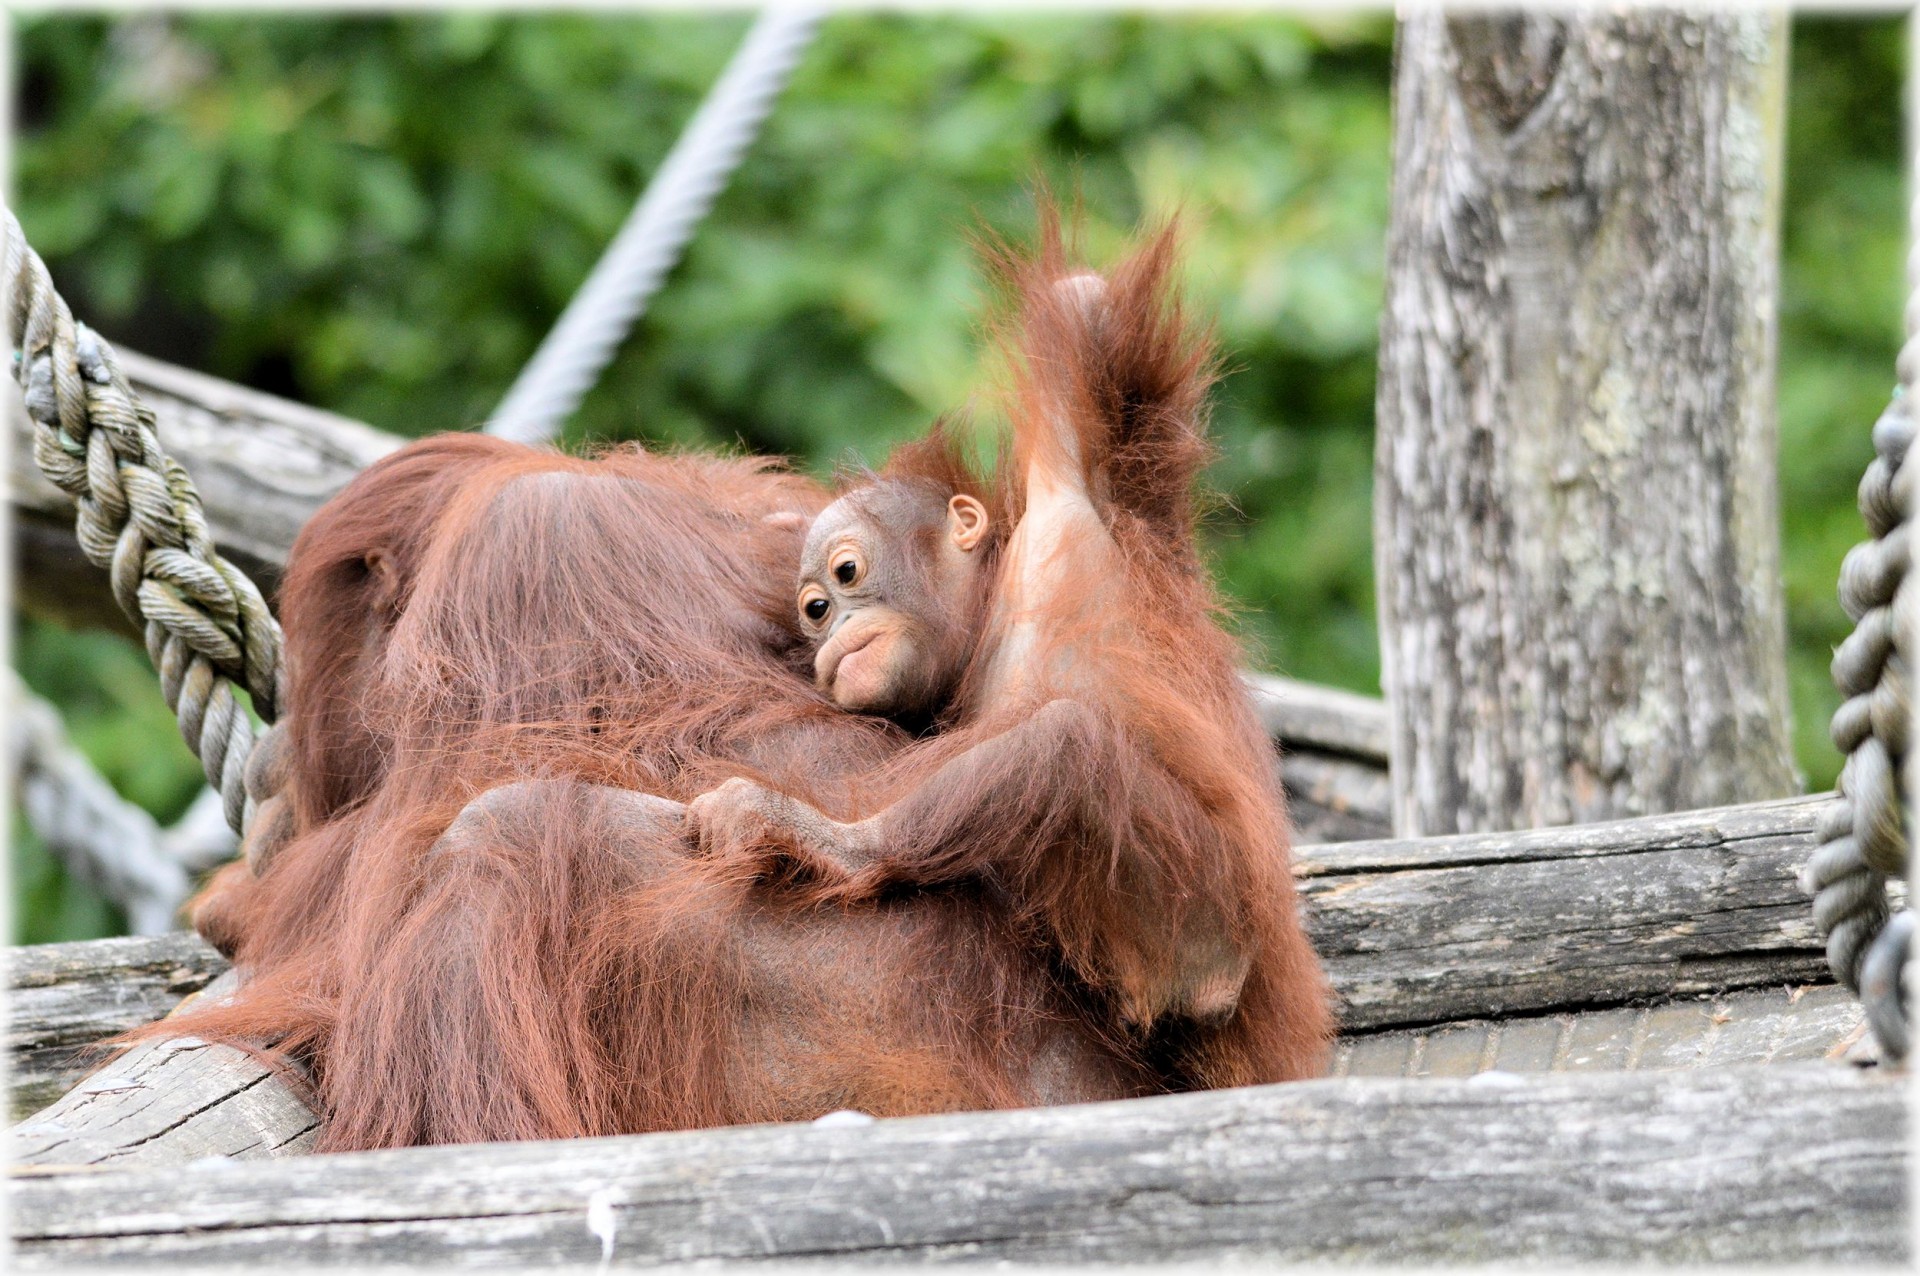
892,588
1096,763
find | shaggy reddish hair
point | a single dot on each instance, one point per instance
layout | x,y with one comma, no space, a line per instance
478,931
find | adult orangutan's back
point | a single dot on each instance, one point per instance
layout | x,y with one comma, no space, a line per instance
469,613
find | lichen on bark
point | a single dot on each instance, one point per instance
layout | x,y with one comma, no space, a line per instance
1577,526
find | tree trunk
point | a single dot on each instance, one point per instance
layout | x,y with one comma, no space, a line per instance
1576,521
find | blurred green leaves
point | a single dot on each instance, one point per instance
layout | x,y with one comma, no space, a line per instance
383,215
1842,288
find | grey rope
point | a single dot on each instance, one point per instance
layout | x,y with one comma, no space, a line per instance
111,844
1863,835
684,187
139,517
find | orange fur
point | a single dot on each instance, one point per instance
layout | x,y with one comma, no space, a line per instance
481,931
1152,825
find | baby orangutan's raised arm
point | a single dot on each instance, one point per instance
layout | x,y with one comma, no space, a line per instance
1096,759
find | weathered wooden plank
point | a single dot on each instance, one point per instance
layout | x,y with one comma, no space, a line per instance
65,997
233,1107
1487,925
1803,1163
1755,1026
1413,933
169,1102
1334,798
263,466
1325,719
1724,826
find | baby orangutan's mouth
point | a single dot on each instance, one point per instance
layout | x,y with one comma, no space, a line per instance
859,642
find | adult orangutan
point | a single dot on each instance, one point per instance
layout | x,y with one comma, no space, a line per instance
505,924
353,571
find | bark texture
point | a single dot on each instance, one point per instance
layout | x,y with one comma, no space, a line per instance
1804,1164
1413,933
64,998
1576,517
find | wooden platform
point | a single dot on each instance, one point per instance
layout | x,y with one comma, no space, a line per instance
1766,1026
1802,1163
1413,933
67,996
64,997
1598,1043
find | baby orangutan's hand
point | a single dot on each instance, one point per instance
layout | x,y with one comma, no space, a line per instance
747,823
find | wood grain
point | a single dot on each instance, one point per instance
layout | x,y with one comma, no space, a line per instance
1322,719
1421,931
1805,1164
1576,524
63,998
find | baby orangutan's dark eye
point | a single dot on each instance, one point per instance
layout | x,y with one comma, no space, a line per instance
844,573
816,609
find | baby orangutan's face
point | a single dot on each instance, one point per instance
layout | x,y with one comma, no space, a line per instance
888,582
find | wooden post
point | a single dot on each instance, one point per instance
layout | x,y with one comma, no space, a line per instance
1576,521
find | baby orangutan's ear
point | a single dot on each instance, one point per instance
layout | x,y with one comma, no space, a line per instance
967,523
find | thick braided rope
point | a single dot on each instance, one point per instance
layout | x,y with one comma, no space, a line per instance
139,517
1863,836
683,189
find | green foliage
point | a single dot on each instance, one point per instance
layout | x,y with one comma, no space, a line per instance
384,215
1843,245
111,702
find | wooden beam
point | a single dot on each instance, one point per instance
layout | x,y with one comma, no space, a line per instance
1333,797
1796,1024
1432,929
263,466
108,986
1323,719
1748,1026
170,1102
1796,1164
63,998
1413,931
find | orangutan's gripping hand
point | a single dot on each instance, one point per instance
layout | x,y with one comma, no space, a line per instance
747,824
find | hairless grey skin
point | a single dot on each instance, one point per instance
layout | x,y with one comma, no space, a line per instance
889,583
